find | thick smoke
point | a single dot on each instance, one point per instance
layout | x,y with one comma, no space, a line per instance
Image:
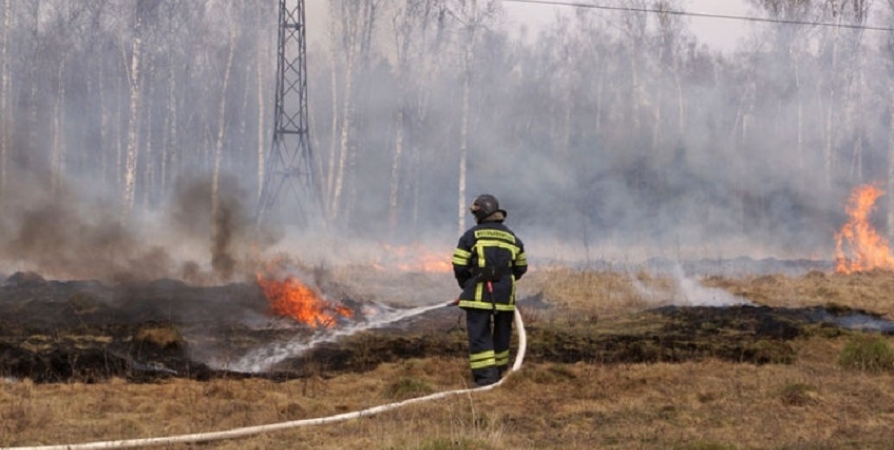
608,136
73,235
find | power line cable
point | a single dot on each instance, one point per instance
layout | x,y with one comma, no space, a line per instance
704,15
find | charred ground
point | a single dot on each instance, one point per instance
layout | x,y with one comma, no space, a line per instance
55,331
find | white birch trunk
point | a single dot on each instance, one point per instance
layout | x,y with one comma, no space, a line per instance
119,133
890,187
5,110
103,121
464,124
395,163
32,110
346,123
799,143
57,157
463,152
333,80
148,158
221,128
402,37
172,126
130,170
260,60
828,155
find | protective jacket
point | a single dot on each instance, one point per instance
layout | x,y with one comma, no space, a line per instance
488,260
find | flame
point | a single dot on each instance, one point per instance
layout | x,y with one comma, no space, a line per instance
416,258
291,298
868,249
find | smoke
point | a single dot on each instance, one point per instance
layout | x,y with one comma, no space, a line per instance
263,358
79,234
686,291
606,135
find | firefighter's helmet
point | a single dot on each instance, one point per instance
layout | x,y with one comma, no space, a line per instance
484,206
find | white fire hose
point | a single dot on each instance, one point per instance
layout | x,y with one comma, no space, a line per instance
248,431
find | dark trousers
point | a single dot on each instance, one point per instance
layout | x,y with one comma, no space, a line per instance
489,336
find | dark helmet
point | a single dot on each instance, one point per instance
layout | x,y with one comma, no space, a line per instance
485,205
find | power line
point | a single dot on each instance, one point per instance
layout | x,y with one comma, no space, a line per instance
705,15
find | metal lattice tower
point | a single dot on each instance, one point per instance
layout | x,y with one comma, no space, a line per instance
289,165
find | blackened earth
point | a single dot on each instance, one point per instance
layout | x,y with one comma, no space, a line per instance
57,331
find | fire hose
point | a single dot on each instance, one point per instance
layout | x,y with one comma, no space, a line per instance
253,430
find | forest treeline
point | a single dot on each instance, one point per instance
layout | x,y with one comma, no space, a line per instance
601,125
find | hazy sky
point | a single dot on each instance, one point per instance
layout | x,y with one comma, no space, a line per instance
722,34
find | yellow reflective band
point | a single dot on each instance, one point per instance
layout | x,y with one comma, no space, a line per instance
481,355
475,305
495,234
483,364
482,359
502,358
482,244
521,260
461,257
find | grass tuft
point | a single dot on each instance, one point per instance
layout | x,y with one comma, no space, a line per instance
406,388
868,353
798,394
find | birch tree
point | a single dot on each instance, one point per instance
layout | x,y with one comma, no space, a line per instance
221,124
5,110
349,43
888,50
143,7
356,27
472,19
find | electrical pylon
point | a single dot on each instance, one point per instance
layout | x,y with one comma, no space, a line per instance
289,166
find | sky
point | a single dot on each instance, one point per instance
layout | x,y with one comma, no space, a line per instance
722,34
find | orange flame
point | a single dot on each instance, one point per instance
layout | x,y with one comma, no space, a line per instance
292,299
868,249
417,258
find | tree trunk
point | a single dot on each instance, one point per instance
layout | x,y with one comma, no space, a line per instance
402,41
221,128
464,124
347,113
57,159
103,121
172,126
5,110
260,60
395,162
828,148
130,170
33,90
333,82
148,184
890,187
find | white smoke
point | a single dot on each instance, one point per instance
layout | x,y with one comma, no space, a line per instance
687,291
261,359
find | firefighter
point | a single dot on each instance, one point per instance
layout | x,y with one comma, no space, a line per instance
487,262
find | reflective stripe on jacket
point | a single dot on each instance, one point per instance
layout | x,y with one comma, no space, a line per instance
489,250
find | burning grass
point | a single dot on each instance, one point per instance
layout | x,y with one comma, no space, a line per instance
605,369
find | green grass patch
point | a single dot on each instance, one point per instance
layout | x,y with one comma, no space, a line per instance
868,353
406,388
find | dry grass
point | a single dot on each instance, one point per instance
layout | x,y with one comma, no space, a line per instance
813,403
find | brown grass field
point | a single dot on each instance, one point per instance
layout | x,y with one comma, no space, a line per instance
823,398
